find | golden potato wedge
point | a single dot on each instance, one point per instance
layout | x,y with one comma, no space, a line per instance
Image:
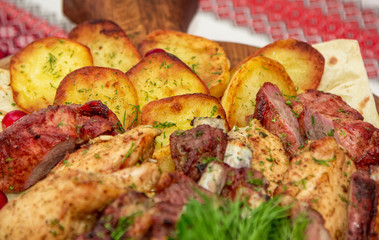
303,63
37,70
161,75
239,98
205,57
164,159
177,112
111,86
109,44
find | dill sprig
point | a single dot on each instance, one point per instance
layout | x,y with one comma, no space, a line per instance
236,220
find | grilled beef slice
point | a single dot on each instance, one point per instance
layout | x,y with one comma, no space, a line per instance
145,218
190,149
325,114
276,116
362,207
34,144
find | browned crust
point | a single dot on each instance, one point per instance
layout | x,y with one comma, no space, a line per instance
175,103
304,49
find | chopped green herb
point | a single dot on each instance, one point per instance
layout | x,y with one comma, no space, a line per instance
324,162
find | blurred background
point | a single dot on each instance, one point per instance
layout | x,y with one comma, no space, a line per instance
251,22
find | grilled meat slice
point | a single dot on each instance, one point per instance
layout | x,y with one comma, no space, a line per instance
94,119
246,183
122,212
360,139
235,183
316,225
329,115
65,205
374,226
34,144
328,104
108,154
362,207
276,116
148,218
269,155
189,149
320,176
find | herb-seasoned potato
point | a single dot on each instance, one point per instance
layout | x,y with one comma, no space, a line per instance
161,75
177,112
111,86
37,70
239,98
303,63
205,57
164,159
109,44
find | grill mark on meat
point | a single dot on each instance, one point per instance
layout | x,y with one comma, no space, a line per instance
274,114
191,147
34,144
362,207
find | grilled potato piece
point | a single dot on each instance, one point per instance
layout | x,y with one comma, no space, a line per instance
111,86
161,75
177,112
109,44
303,63
37,70
239,98
164,160
205,57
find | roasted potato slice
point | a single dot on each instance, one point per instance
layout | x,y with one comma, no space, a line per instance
177,112
161,75
37,70
164,159
109,44
205,57
239,98
303,63
111,86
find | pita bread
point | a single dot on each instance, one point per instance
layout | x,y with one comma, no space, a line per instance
6,98
346,76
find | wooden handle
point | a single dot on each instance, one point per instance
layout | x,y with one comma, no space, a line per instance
137,17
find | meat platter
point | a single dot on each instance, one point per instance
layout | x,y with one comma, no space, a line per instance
187,147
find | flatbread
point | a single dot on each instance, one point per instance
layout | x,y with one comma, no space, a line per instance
345,75
6,97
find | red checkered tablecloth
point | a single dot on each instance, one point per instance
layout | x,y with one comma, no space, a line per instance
19,27
312,21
